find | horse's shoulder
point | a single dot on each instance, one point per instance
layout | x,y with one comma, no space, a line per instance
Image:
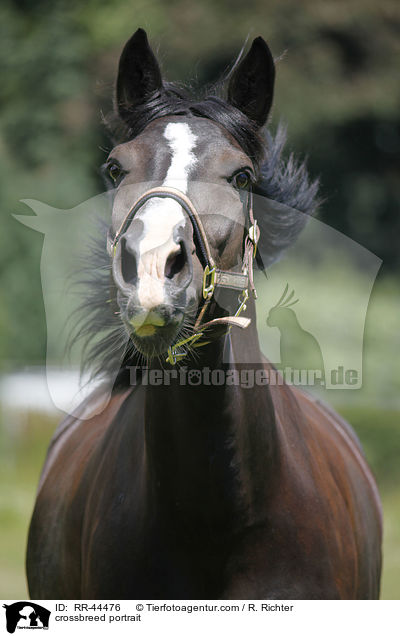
77,435
313,435
328,418
290,400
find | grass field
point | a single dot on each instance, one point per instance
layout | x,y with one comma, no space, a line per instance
21,460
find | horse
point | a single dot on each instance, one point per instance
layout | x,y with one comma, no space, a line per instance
188,489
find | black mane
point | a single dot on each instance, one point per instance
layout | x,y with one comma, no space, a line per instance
280,179
175,100
286,181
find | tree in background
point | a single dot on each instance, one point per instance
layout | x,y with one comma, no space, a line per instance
337,88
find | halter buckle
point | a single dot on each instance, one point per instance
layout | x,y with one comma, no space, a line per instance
243,298
254,235
209,277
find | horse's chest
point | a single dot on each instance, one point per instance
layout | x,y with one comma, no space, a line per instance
152,559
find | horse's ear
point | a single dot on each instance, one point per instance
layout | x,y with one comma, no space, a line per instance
139,75
251,86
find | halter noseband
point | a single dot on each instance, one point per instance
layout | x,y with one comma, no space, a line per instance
212,276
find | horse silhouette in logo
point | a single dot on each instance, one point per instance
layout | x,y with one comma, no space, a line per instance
298,348
26,614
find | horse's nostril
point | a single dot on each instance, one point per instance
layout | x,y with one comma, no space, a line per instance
175,263
128,264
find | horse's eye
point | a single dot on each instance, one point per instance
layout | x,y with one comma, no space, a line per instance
115,171
242,180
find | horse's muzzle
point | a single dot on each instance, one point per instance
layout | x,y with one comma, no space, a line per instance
153,293
152,332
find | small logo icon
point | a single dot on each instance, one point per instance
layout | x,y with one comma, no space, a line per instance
299,349
26,615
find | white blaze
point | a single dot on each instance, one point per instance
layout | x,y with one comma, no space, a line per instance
181,141
162,216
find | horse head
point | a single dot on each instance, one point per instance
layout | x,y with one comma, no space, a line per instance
181,184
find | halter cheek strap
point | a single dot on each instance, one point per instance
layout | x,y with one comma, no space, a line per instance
212,276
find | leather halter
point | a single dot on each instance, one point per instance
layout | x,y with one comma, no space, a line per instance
212,276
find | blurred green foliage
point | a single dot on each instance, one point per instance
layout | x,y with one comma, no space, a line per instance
337,88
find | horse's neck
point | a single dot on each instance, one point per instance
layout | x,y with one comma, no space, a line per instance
200,436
